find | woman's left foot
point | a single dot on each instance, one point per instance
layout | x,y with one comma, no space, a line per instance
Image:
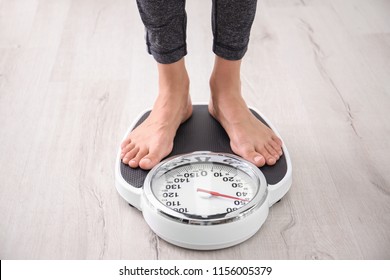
249,137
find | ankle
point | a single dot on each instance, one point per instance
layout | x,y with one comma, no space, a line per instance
226,101
173,77
174,87
223,89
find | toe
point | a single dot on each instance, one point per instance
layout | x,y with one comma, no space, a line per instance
276,147
254,157
126,142
152,158
127,149
259,160
248,153
269,159
148,162
279,143
130,155
277,140
134,163
272,151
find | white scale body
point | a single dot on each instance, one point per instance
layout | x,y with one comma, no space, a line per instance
204,199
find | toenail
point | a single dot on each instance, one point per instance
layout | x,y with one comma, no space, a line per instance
258,158
125,159
146,160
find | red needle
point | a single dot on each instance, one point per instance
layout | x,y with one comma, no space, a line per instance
220,194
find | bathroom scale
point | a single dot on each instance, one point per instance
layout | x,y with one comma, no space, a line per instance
202,196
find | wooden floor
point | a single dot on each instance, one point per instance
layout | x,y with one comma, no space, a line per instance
74,74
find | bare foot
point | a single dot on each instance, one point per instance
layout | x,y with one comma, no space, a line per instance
249,137
152,140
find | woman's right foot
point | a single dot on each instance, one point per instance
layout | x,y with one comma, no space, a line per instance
249,137
152,140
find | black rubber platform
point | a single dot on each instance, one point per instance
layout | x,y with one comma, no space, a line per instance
202,133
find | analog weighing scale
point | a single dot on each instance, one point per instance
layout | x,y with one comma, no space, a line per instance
202,196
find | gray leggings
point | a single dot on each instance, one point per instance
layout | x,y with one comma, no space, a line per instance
165,23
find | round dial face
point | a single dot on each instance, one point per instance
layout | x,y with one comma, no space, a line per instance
205,186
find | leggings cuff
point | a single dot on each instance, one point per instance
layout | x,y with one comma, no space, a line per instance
170,56
229,53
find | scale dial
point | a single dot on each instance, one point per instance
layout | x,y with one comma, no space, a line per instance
205,188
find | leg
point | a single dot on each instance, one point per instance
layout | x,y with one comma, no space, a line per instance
146,145
231,22
249,137
165,25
